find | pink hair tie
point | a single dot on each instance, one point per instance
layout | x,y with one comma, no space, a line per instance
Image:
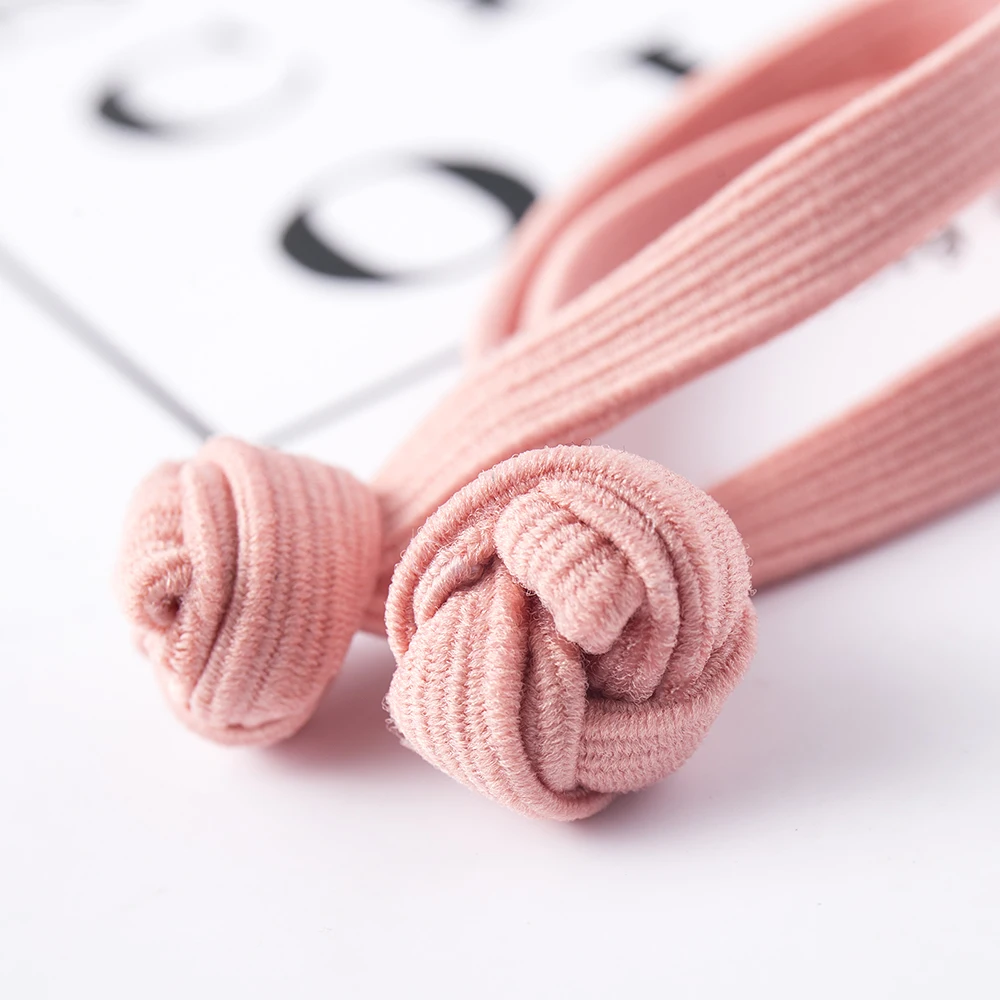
568,622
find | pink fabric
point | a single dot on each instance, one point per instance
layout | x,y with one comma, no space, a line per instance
246,572
833,60
924,445
567,627
568,622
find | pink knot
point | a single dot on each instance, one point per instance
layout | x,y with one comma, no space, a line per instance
246,572
567,627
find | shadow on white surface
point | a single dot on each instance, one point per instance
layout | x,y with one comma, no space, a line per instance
349,734
869,685
783,742
840,704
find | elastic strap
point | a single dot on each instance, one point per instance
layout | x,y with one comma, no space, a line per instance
821,199
859,43
927,444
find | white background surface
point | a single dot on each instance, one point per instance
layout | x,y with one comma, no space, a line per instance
835,836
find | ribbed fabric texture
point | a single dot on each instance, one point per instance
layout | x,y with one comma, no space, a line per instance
567,627
840,56
924,445
792,233
246,572
568,622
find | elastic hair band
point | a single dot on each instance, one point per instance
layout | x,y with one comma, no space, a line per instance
567,620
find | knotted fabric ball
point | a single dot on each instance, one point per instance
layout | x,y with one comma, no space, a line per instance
566,628
245,573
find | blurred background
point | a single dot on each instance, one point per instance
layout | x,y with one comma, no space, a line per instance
278,220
